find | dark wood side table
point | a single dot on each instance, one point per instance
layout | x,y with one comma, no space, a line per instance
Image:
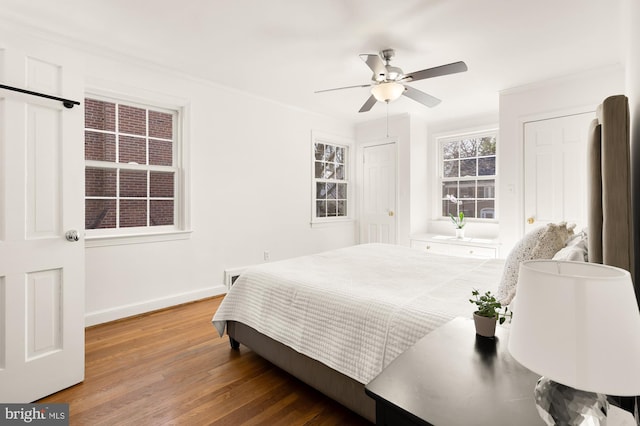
452,377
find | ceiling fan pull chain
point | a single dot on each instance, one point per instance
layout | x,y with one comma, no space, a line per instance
387,119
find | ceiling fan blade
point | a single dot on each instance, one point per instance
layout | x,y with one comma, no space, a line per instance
375,63
341,88
369,104
421,97
453,68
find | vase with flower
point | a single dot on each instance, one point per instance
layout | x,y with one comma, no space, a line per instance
459,219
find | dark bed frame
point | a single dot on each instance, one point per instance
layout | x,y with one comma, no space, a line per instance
610,242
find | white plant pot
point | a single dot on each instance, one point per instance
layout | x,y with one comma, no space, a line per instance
485,327
460,233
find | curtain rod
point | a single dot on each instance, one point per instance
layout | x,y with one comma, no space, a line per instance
66,102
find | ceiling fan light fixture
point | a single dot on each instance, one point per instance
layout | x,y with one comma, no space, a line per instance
387,92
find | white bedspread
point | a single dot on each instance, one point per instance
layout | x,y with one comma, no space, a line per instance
356,309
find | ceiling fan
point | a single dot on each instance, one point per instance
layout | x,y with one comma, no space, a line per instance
388,82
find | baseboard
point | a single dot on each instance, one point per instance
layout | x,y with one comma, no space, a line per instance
112,314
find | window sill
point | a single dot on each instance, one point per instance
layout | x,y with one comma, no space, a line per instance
327,224
116,240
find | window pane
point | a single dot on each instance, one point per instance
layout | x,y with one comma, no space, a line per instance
321,190
449,208
340,155
99,146
99,182
450,150
329,153
449,188
133,213
318,151
342,191
331,191
332,208
487,146
340,172
132,120
468,189
486,209
160,153
487,166
469,208
99,214
161,184
468,167
450,168
468,148
99,115
329,171
342,208
321,209
486,189
160,212
319,170
133,183
160,125
132,150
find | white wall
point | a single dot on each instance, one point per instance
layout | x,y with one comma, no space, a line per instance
250,175
576,93
250,192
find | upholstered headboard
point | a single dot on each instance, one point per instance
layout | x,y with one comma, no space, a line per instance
609,177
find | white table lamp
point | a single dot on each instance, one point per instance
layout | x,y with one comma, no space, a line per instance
578,325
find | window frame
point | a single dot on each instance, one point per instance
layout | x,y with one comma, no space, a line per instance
456,137
181,223
347,144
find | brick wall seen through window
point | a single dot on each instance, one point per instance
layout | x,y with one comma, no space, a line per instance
130,175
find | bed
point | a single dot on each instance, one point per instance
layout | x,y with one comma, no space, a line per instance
336,319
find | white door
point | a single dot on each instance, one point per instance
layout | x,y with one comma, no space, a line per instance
555,187
41,197
378,218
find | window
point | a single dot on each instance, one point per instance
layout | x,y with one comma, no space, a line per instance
331,188
468,173
131,172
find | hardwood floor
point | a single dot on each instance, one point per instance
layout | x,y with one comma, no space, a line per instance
171,368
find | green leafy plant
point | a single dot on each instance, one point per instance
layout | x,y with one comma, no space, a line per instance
458,221
488,306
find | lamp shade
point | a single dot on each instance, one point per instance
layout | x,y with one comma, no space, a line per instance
387,92
578,324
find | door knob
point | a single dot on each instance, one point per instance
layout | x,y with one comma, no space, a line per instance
390,212
530,220
72,235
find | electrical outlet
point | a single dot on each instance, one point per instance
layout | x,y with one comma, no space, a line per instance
266,255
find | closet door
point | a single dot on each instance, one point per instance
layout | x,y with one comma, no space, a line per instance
41,199
378,217
555,187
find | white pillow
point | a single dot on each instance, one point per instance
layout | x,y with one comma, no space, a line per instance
552,240
541,243
520,252
576,249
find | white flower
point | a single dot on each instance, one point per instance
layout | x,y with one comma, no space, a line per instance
453,199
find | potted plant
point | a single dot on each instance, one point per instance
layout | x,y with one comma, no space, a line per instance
458,219
488,313
459,223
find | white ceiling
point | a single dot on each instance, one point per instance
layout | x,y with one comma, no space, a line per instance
287,49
